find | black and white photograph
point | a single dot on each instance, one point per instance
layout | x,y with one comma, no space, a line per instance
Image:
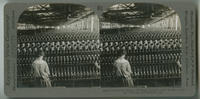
136,45
141,46
100,48
58,46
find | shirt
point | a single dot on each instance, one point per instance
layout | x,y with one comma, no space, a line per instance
40,69
123,68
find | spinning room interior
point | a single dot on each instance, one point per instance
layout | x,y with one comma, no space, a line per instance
81,48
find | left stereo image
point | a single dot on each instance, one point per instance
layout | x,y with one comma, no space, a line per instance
58,46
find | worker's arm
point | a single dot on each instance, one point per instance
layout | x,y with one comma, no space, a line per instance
129,68
47,69
126,73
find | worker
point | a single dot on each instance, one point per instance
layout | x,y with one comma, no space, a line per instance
41,71
123,70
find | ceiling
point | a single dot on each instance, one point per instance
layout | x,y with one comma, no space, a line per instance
52,14
129,13
135,13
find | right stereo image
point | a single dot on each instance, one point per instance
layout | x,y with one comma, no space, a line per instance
141,46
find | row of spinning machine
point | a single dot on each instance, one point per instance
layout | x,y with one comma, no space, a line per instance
71,58
154,56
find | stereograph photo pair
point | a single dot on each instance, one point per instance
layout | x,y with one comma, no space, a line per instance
107,48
